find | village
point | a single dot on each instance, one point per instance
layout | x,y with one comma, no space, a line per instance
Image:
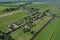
28,22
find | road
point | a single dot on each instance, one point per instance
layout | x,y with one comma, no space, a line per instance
10,13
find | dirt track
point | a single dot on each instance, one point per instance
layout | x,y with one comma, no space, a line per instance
9,13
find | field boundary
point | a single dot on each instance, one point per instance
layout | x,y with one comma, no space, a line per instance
44,25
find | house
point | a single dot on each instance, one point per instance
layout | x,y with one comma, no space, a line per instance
31,10
39,15
33,18
48,13
22,7
27,19
12,26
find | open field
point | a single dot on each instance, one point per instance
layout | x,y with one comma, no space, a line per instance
56,33
2,8
43,6
51,32
47,32
11,4
4,21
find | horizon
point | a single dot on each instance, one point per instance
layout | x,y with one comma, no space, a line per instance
31,0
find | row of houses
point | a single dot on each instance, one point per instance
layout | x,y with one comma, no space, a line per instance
35,16
26,20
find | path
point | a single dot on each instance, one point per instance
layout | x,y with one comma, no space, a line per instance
9,13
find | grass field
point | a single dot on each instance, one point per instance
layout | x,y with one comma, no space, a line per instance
11,5
4,21
42,6
51,32
2,7
47,32
56,33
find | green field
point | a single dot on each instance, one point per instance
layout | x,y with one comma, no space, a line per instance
4,21
9,5
47,32
42,6
51,32
2,8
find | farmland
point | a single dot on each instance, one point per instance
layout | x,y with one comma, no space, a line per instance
50,32
8,5
16,17
23,36
11,4
2,7
43,6
47,32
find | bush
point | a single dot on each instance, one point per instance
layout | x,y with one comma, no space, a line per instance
32,32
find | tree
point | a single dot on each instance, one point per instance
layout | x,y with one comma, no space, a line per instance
30,24
26,30
47,10
0,31
44,14
7,9
32,32
5,36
